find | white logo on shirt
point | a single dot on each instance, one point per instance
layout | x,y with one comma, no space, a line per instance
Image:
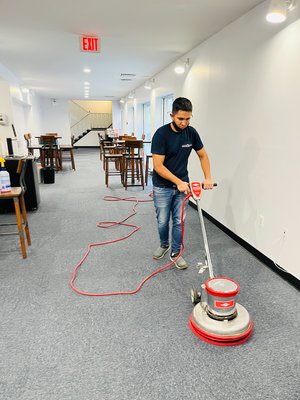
187,145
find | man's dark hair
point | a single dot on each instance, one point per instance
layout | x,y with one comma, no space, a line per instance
181,104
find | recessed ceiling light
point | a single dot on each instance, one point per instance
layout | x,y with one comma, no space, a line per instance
87,70
87,83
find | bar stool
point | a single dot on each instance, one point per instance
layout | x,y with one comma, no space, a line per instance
17,195
50,155
63,148
133,163
147,170
107,148
117,158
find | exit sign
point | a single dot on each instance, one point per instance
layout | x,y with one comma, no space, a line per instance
90,44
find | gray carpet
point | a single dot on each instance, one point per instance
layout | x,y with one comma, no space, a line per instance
57,345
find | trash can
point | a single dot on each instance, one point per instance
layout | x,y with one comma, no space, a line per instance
48,175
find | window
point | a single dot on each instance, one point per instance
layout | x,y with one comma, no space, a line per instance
167,108
146,121
130,120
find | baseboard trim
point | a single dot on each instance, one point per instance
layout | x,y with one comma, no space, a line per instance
267,261
85,147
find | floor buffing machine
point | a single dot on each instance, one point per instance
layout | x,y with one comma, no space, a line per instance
218,319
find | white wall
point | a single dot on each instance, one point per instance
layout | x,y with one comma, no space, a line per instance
55,118
116,115
244,84
22,108
90,139
6,109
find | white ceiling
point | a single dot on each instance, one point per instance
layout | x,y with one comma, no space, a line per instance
39,40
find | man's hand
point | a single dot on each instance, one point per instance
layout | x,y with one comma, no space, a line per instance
183,187
208,184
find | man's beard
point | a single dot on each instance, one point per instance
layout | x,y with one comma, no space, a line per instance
177,127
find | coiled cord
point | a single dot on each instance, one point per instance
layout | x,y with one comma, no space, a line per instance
110,224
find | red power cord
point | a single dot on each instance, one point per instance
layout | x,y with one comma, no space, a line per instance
110,224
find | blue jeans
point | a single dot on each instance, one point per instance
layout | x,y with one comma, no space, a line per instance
168,203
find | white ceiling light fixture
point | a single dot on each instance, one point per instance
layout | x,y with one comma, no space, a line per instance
278,9
87,70
181,66
149,84
122,101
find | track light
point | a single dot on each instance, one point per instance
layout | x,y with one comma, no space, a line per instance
149,84
278,9
181,66
24,90
122,101
131,95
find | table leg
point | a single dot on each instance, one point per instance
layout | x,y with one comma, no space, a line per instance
24,215
20,226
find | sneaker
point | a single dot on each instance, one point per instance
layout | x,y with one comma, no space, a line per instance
160,252
180,262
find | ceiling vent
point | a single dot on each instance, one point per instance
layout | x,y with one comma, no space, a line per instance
127,77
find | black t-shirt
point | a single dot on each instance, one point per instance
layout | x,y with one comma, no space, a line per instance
176,147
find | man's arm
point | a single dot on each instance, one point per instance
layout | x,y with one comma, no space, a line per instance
205,165
158,165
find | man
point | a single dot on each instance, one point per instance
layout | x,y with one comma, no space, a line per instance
171,147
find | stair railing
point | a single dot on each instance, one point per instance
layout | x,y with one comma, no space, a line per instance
89,122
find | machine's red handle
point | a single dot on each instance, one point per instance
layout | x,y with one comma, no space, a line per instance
196,189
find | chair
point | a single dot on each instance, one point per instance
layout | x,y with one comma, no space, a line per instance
133,163
147,169
30,147
17,195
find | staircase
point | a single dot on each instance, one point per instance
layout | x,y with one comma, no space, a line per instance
88,122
